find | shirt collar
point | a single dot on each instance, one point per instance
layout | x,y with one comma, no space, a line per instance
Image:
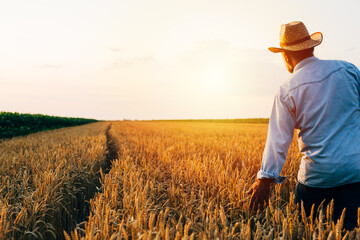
303,62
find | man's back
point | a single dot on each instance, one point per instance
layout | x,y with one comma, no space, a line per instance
323,97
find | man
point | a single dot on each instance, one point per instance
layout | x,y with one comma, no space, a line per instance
322,101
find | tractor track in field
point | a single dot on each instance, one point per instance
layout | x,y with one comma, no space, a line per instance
111,154
111,150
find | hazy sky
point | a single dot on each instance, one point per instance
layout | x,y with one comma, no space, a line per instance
157,59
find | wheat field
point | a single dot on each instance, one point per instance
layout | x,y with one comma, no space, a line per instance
178,180
168,180
44,178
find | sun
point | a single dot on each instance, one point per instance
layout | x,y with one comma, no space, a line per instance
215,76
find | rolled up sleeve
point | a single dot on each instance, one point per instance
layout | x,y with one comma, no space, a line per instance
279,137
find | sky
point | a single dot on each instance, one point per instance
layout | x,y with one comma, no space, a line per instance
158,59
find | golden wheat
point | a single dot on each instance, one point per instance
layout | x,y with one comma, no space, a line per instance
179,180
44,177
171,180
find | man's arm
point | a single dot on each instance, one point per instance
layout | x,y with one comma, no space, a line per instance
280,134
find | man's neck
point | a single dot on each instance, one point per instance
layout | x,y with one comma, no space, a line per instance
304,62
296,61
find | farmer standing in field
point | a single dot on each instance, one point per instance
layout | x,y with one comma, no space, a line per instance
322,101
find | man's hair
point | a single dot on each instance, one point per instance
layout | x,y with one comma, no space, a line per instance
301,54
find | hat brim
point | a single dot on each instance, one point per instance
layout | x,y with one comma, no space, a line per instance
315,40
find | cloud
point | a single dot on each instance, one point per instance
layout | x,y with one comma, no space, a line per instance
124,63
51,66
113,49
350,49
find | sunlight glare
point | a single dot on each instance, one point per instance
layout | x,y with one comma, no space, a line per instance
216,78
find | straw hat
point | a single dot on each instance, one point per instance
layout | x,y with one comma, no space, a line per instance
295,37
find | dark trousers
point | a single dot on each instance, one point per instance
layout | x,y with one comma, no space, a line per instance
345,196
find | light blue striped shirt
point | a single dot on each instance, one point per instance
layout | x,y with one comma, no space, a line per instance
322,101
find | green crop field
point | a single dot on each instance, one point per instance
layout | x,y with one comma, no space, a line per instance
17,124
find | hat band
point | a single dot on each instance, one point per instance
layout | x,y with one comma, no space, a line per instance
295,42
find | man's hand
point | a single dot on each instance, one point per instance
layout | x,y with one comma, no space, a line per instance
260,191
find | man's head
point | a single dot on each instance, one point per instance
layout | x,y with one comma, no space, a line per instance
296,44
